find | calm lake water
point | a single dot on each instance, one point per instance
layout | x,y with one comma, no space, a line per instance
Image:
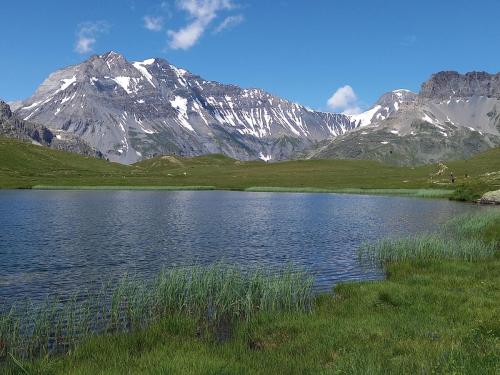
62,241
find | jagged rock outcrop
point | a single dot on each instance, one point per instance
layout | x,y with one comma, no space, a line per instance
13,127
450,84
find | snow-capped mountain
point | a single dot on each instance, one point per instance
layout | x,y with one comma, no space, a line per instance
135,110
130,111
454,116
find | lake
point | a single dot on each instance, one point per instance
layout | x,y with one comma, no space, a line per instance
59,242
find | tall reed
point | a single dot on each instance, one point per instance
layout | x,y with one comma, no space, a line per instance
210,293
460,238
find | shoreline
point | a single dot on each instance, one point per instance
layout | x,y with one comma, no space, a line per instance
399,192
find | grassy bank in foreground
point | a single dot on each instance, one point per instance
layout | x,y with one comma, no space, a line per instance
437,312
24,165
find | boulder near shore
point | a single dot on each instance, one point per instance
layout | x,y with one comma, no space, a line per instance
491,197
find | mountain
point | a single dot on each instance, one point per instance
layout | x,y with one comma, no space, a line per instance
454,116
15,104
135,110
130,111
13,127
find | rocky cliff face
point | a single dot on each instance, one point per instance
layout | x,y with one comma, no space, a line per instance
135,110
447,85
13,127
5,112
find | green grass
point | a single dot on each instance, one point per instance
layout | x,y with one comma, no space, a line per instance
462,239
419,193
432,315
209,294
469,193
23,165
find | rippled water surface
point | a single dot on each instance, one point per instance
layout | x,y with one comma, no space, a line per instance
62,241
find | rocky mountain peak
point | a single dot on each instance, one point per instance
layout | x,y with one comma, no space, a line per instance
451,84
396,96
384,107
5,111
111,55
134,110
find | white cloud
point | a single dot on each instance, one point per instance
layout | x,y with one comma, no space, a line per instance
186,37
229,22
342,97
86,35
344,100
200,14
153,23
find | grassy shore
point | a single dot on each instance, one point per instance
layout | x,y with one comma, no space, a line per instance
437,312
23,165
418,193
167,188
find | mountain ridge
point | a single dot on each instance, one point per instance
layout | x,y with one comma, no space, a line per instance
454,116
135,110
445,84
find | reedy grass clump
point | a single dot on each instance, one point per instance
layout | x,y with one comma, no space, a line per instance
207,294
427,247
473,225
417,193
461,238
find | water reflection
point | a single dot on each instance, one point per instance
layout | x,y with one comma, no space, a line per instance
60,241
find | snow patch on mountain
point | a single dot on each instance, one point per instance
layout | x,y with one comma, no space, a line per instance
67,82
264,157
365,118
180,104
141,67
124,82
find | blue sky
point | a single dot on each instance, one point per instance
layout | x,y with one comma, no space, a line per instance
302,50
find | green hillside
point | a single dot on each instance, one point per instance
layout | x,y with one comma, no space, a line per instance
23,165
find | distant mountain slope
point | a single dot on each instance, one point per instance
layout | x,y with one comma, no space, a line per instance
134,110
453,117
13,127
